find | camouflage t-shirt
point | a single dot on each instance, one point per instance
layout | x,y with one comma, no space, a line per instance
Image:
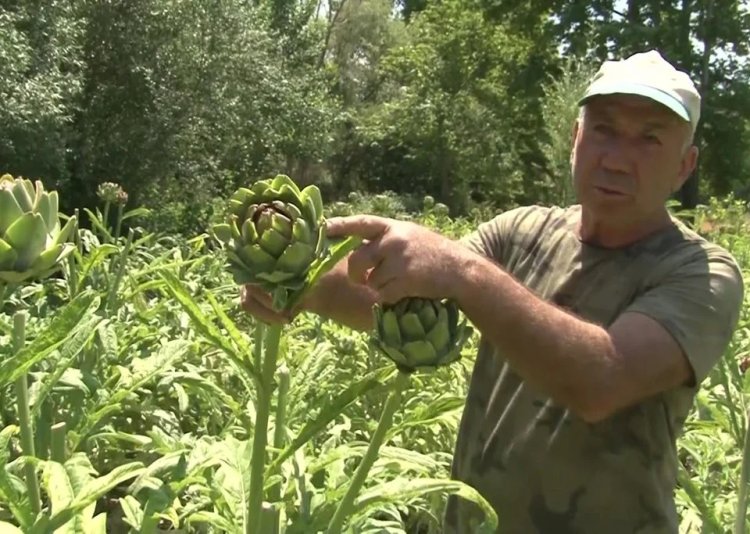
544,469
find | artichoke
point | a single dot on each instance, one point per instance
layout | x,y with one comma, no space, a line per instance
32,244
274,236
417,333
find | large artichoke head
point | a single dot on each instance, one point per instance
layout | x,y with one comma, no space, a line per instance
274,232
420,334
32,243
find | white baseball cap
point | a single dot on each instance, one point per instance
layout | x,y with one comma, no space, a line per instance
648,74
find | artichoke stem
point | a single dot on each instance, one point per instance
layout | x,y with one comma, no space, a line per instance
24,416
386,420
105,220
57,448
742,494
260,433
121,262
118,223
260,329
279,434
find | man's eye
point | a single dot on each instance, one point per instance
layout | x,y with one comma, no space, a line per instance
650,138
603,128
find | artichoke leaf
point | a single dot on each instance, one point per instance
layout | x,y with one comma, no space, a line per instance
9,210
28,236
428,316
222,232
255,259
8,256
297,258
390,332
420,353
273,242
411,327
440,335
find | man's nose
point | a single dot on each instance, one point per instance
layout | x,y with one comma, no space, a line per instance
618,155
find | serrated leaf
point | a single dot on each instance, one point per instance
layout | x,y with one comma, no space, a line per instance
145,370
96,525
232,478
328,412
132,511
58,487
67,354
66,324
205,327
401,490
7,528
213,519
183,401
93,491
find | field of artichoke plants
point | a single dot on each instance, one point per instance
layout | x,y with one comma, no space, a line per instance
135,395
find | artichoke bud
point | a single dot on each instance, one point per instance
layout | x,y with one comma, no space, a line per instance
273,234
417,333
32,244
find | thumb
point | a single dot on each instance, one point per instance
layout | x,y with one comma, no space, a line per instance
367,227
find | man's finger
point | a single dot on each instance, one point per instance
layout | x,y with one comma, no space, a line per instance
368,227
362,260
393,290
385,272
262,313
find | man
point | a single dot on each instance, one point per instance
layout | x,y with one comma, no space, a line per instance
599,321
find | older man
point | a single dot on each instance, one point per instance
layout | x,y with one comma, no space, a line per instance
598,321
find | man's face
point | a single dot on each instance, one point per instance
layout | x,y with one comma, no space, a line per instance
629,155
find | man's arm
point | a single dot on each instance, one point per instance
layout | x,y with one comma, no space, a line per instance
592,370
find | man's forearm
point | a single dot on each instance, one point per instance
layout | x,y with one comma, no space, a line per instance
563,356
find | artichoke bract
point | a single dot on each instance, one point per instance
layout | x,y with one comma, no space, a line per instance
274,237
274,232
32,243
420,334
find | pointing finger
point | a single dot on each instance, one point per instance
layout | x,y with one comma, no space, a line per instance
368,227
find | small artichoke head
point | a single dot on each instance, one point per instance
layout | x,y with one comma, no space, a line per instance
32,243
273,233
420,334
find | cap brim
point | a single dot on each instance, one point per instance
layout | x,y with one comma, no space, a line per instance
637,89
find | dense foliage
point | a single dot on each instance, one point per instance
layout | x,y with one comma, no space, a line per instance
143,416
181,100
132,374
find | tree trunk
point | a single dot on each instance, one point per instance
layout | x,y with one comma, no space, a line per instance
690,192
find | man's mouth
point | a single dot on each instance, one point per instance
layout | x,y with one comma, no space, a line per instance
608,191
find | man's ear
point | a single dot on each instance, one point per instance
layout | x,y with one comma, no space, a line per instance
687,166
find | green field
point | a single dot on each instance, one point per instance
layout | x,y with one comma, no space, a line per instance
142,410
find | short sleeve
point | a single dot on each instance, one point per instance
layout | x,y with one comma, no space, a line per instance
490,238
699,303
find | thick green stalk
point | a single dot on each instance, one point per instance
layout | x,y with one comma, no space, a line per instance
741,513
274,492
71,261
118,222
105,221
24,416
260,434
260,333
121,262
386,420
57,447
